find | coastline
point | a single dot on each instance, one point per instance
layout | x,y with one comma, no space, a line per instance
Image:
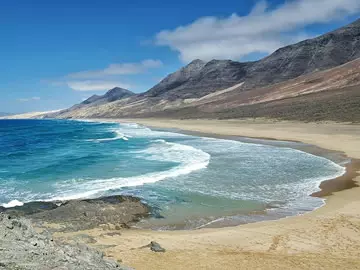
317,239
327,187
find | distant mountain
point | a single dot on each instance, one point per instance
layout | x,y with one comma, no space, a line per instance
207,88
114,94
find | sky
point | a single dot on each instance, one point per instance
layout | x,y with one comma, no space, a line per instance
54,54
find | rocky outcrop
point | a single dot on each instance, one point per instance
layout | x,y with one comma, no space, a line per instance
154,246
22,248
115,211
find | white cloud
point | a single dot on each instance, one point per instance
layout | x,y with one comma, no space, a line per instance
95,85
117,69
262,30
28,99
104,79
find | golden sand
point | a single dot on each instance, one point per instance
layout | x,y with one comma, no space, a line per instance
327,238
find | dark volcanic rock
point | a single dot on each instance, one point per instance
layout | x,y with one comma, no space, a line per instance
154,246
116,211
21,247
29,208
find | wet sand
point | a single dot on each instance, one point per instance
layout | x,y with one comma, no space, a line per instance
327,238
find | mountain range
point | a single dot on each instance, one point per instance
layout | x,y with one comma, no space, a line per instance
319,75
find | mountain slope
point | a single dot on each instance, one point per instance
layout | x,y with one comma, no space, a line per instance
112,95
177,78
332,94
198,79
219,85
324,52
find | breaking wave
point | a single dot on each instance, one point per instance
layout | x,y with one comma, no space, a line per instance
189,159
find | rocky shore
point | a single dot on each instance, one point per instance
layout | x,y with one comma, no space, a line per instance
113,212
22,247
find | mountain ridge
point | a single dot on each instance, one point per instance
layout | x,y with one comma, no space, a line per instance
199,79
111,95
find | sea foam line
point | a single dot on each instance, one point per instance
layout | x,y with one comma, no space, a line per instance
191,159
118,136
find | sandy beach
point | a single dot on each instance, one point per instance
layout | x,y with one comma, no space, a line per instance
327,238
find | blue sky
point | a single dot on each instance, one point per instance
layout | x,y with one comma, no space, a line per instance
56,53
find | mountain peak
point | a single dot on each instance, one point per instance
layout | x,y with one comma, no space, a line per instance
196,62
113,94
118,91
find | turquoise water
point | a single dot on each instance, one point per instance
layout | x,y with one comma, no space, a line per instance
189,181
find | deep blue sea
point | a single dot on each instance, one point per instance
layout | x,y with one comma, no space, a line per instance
189,181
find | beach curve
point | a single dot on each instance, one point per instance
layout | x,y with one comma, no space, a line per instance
315,240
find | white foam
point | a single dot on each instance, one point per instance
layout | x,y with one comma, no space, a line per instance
189,158
13,203
119,136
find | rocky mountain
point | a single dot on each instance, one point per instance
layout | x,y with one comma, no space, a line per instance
201,83
214,75
321,53
199,78
332,94
176,79
114,94
110,96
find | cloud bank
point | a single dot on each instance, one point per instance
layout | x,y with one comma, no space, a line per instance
262,30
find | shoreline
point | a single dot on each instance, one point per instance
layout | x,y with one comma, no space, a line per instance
326,238
327,187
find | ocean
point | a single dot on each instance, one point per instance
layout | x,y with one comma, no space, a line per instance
190,181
